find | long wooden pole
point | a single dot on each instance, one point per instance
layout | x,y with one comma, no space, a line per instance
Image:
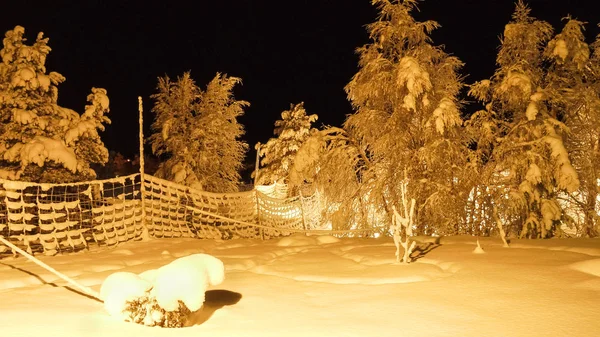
84,289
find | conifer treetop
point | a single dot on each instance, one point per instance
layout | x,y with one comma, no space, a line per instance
39,140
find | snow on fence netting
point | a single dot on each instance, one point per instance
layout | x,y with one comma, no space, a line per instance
174,210
66,217
52,218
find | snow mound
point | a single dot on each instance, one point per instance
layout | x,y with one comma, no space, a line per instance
369,255
18,282
119,288
186,279
134,262
149,275
241,265
591,267
478,249
308,267
102,267
125,252
183,280
326,239
297,240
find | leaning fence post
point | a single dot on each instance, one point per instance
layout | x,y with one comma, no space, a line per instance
260,229
301,198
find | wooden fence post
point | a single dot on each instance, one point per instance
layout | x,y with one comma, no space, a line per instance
145,233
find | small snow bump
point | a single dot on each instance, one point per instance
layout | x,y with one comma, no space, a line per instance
478,249
123,252
326,239
297,240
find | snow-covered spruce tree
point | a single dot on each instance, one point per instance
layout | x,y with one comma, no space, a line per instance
586,138
407,119
41,141
519,136
278,153
198,133
573,81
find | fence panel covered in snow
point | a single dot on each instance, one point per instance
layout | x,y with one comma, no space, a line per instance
66,217
53,218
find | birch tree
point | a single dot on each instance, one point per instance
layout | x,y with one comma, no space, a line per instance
407,118
197,133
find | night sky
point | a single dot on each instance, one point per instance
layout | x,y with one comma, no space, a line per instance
284,51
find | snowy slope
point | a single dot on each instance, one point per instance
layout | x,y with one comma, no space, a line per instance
301,286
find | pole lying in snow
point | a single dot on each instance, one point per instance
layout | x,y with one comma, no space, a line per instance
84,289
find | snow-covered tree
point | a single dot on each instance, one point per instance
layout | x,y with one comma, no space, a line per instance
405,133
39,140
331,160
199,133
519,135
278,153
408,120
573,83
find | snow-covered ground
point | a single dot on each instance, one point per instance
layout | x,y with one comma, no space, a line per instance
319,286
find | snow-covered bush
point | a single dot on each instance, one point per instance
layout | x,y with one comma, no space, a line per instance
39,140
165,296
197,133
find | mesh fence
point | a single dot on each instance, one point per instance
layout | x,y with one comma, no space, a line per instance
55,218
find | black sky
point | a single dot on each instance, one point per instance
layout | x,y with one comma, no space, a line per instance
284,51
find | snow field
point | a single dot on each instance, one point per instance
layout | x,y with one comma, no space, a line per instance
297,286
